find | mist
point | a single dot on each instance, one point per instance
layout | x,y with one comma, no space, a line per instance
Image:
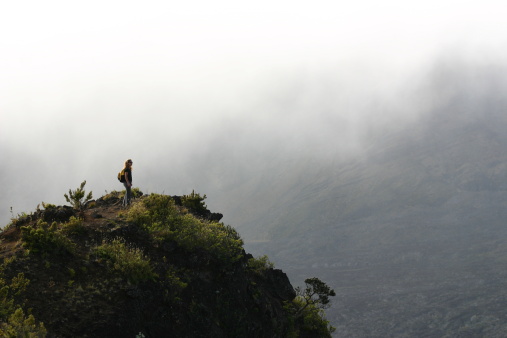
204,96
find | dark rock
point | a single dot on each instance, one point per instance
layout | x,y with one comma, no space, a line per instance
215,217
280,284
177,200
57,214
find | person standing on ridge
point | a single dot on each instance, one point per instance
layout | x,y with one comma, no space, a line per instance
127,172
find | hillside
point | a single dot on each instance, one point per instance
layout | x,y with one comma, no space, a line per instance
165,267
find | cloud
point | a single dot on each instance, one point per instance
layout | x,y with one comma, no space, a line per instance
189,87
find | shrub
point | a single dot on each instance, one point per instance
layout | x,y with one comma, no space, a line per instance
136,193
45,239
159,215
311,320
115,194
77,198
128,261
19,325
155,212
260,264
74,226
20,219
174,284
220,240
6,300
194,203
13,322
48,205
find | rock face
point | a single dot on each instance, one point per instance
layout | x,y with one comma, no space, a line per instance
79,292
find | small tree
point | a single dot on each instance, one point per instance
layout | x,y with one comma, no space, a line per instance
307,310
77,198
316,294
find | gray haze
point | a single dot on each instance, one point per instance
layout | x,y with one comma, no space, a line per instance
302,116
205,96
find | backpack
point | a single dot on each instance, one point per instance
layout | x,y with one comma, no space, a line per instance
121,176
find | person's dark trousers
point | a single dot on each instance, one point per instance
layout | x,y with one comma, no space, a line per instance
128,193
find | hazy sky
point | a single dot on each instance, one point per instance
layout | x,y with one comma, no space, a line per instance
86,85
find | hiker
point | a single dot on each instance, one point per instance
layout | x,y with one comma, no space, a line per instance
127,170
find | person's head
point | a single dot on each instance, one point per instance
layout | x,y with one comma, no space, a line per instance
128,163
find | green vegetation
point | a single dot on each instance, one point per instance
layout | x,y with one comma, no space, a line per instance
48,206
20,325
316,293
13,321
159,215
260,264
115,194
194,202
77,197
45,239
19,219
24,218
136,193
128,260
74,226
308,307
174,284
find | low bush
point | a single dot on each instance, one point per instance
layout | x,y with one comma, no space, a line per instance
159,215
48,206
154,212
127,260
13,321
115,194
20,325
194,203
260,264
46,239
19,220
222,241
174,284
74,226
